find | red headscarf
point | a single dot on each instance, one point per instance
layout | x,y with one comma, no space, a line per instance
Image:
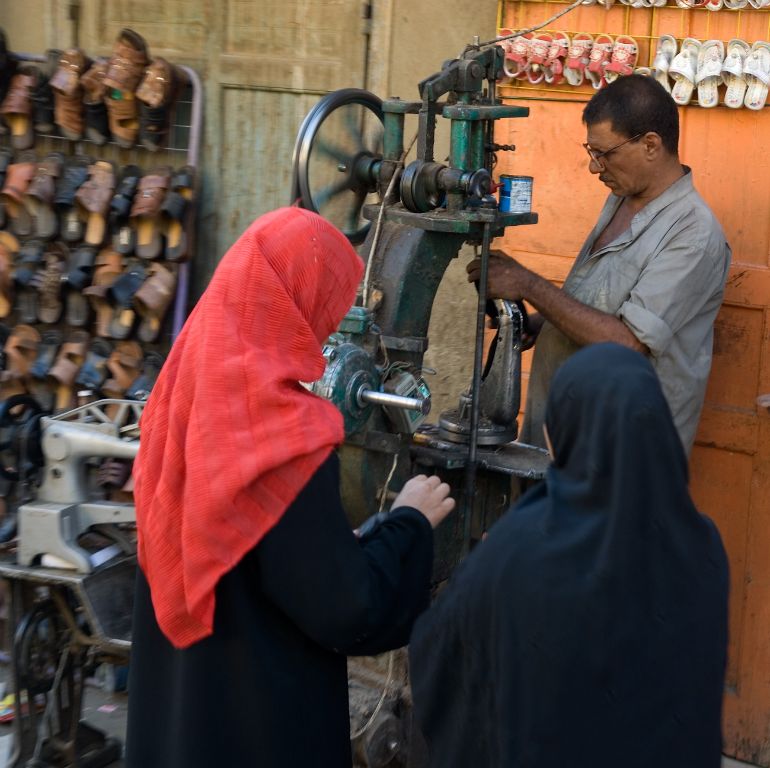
229,436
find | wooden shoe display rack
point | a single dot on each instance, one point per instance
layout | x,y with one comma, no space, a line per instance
96,241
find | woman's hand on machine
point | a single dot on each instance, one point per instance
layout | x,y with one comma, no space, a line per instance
428,495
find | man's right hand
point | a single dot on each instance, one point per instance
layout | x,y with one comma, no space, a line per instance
507,279
428,495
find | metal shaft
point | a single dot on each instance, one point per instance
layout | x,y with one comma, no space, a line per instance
470,470
394,401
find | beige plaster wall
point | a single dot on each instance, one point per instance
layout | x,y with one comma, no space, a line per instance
244,161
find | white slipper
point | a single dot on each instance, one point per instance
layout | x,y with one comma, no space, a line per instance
732,72
664,55
683,71
708,78
756,71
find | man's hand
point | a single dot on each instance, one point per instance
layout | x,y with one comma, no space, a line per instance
428,495
507,278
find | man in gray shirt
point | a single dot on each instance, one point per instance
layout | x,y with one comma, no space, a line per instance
649,276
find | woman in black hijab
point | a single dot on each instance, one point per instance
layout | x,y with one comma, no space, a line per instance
590,628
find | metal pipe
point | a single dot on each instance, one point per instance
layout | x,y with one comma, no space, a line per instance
478,358
393,401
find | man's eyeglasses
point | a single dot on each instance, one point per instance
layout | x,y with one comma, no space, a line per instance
598,157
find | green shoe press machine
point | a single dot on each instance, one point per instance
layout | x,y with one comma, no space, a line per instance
71,598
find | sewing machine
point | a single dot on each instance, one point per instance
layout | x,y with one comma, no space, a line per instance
72,576
410,221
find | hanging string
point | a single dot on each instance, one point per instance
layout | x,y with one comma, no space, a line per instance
521,32
375,239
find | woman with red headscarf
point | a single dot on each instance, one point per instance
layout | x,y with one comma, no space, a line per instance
252,587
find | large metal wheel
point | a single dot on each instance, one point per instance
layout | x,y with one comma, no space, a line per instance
338,147
40,639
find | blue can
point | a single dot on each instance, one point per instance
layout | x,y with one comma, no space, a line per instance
515,194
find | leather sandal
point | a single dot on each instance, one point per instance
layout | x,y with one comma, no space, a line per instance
145,212
46,353
92,201
68,93
9,247
125,70
157,94
18,176
142,386
121,295
175,211
152,301
6,282
124,366
64,371
5,161
73,176
81,268
42,94
38,385
48,281
114,475
19,351
29,261
94,92
8,66
41,193
123,236
108,267
94,369
16,108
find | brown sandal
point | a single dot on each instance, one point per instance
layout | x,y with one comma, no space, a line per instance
125,70
20,351
157,93
68,93
50,280
64,371
93,201
146,218
124,365
108,267
9,247
94,92
18,176
152,301
41,193
17,109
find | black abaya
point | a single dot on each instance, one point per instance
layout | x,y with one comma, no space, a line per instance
269,687
590,629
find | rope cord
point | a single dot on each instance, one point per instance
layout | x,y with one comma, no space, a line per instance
521,32
361,731
378,225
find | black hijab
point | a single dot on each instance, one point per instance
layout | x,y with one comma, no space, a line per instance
590,629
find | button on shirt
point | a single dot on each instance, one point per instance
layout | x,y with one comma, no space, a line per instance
664,278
